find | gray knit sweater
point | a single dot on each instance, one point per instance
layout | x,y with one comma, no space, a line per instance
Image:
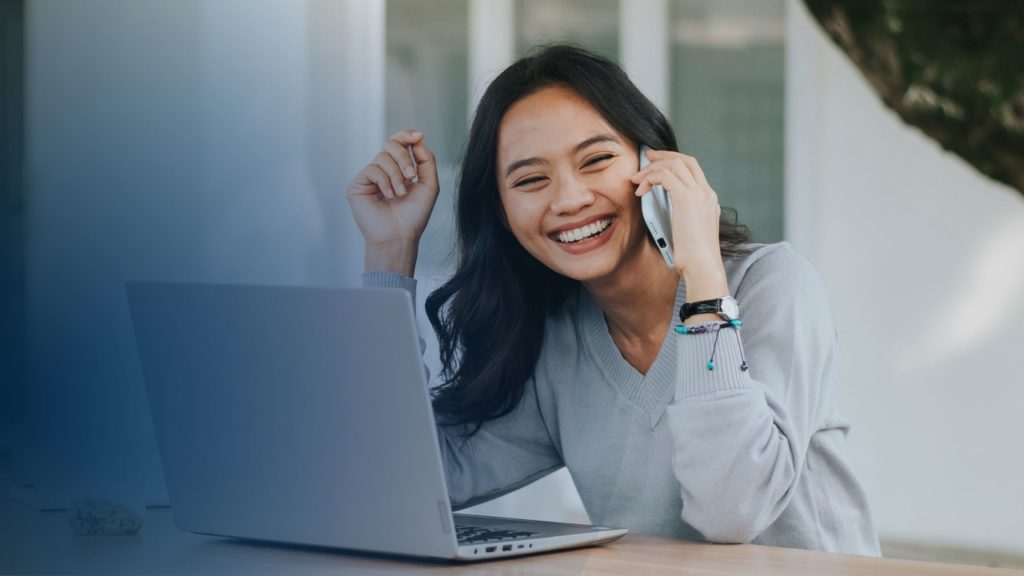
722,455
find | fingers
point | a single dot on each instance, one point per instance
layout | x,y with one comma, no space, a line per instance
676,186
643,187
398,155
375,175
399,145
685,167
410,158
396,162
662,176
675,166
385,162
695,169
667,180
403,163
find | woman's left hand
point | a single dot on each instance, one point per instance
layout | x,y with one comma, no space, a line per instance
695,215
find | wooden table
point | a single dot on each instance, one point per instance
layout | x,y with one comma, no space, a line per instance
42,542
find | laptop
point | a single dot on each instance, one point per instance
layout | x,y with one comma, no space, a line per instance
302,415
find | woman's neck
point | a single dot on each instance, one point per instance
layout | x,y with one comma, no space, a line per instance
638,299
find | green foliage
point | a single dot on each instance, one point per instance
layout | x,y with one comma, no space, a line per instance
953,68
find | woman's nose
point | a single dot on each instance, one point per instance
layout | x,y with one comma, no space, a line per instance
572,196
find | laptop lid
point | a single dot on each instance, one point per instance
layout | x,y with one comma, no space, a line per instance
294,414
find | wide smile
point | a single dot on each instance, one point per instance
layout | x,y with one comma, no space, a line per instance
587,237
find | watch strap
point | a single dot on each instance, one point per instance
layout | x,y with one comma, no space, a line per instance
713,306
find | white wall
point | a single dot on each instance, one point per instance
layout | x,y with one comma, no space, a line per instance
923,259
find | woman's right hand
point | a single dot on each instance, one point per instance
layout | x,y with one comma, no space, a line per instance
391,209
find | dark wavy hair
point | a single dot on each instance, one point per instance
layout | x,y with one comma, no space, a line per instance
490,316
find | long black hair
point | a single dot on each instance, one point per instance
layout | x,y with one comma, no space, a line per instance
489,317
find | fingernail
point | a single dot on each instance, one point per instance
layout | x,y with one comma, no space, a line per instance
401,190
409,171
416,133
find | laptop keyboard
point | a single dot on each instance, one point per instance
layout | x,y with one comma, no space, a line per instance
467,534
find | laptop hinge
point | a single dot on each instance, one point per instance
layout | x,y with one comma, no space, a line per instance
446,516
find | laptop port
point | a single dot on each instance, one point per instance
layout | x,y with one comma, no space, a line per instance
506,547
491,548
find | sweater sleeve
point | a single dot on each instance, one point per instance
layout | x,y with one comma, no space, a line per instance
504,455
741,437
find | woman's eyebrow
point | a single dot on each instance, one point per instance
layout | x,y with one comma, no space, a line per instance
594,140
576,150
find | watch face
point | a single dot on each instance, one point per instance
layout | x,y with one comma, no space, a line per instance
730,308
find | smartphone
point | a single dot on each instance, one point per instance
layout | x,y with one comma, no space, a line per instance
657,212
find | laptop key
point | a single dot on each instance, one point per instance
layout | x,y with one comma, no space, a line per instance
476,534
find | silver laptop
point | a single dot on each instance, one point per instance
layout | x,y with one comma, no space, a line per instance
303,415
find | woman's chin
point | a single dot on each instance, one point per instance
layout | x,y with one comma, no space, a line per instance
584,271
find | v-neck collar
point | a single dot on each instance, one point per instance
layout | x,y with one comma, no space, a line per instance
649,393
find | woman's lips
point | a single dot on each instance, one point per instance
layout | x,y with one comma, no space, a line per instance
592,243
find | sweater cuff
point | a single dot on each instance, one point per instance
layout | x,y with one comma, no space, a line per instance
384,279
693,353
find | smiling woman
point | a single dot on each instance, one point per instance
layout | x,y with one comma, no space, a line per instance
544,196
507,279
558,330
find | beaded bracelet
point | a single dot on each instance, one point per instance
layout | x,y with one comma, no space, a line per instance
716,327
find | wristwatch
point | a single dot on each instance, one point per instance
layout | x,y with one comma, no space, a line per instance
726,307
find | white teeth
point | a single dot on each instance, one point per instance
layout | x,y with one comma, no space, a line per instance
582,232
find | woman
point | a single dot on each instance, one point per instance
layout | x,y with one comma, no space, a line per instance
561,333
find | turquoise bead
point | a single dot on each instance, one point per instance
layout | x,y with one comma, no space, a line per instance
711,365
680,329
736,323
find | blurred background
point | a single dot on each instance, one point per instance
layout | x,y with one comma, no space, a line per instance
213,141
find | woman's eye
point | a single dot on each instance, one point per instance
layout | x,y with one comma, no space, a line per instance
525,182
597,159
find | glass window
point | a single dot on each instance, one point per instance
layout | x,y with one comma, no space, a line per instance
593,24
427,80
727,102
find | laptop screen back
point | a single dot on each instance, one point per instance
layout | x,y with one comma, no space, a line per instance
293,414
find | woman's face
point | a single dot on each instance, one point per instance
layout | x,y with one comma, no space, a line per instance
563,176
